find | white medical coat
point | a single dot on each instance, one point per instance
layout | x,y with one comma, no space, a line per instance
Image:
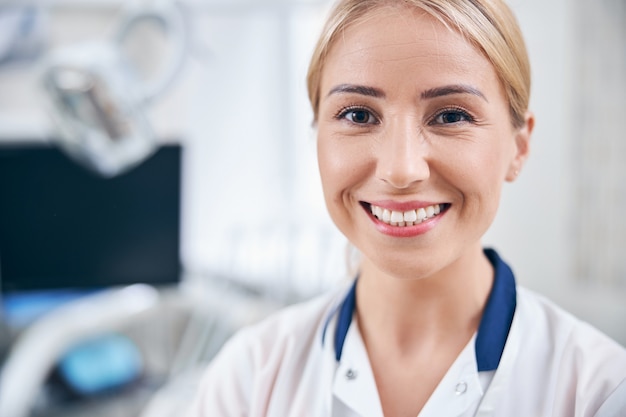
552,365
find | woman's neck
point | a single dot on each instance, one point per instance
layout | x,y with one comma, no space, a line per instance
405,314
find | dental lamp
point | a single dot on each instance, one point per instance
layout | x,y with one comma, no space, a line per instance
98,101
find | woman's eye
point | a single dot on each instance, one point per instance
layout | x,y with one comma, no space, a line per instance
359,116
452,116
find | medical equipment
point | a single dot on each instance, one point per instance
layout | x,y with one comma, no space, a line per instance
44,342
97,98
73,248
62,227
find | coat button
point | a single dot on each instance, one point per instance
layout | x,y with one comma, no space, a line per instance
351,374
461,388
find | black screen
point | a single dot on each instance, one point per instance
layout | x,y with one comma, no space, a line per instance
62,226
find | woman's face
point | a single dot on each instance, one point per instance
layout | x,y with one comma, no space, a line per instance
414,141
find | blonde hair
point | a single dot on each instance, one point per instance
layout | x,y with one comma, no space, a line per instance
488,24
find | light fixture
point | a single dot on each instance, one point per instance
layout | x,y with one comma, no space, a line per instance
97,99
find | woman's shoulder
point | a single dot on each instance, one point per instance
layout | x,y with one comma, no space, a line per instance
561,323
563,328
572,354
276,337
269,356
302,319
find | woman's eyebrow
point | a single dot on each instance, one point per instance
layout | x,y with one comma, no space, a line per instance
452,89
356,89
427,94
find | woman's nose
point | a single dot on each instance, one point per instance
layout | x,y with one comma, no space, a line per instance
402,155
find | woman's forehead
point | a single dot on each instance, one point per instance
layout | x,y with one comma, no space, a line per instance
396,43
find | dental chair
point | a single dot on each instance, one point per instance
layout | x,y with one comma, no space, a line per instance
40,347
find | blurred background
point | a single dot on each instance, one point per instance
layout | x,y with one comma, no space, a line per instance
159,187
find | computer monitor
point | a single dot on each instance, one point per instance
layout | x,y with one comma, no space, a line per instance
64,227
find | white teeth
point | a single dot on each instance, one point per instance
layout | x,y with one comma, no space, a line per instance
406,218
397,217
421,215
386,217
410,216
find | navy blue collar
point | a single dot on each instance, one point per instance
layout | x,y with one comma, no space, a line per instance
492,330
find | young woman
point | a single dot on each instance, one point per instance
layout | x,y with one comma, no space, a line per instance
421,108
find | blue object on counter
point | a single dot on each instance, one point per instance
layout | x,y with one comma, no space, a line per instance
101,364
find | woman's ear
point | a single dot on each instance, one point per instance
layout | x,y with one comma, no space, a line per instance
522,146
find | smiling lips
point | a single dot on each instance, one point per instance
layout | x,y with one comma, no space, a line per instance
406,218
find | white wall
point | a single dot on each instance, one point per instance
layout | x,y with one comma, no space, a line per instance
251,191
534,226
256,210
